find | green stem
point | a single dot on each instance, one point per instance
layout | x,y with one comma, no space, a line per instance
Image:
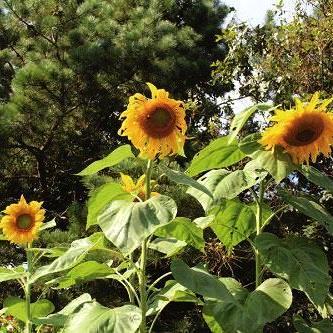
259,201
143,259
28,323
131,282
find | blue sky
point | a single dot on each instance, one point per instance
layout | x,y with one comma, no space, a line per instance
254,11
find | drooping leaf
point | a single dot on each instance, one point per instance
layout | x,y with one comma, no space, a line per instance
74,255
277,163
127,224
241,118
323,326
226,185
250,144
218,154
58,319
211,179
93,318
299,261
101,197
183,229
86,271
204,222
200,281
118,155
181,178
48,225
249,312
309,208
171,292
169,246
317,177
233,223
11,273
16,307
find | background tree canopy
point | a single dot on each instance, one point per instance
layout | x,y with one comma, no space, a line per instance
68,68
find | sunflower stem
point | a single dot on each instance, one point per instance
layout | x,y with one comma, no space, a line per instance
259,201
28,323
143,259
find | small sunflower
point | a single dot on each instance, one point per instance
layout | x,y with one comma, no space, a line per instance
22,221
304,132
156,126
138,189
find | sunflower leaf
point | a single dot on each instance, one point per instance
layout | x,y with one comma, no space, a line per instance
48,225
127,224
277,163
7,274
220,153
233,223
298,260
74,255
181,178
102,196
323,326
183,229
317,177
93,317
16,307
241,118
118,155
309,208
58,319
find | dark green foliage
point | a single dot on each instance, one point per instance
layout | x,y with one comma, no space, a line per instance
75,65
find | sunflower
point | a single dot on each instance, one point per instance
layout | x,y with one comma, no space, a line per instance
304,132
156,125
22,221
137,189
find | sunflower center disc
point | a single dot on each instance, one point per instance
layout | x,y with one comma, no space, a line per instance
306,135
160,118
24,221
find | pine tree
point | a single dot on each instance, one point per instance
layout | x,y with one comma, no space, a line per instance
74,64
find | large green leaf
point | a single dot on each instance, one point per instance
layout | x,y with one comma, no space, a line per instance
171,292
74,255
234,222
317,177
16,307
241,118
210,180
309,208
250,144
218,154
11,273
86,271
58,319
200,281
181,178
226,185
183,229
169,246
112,159
299,261
323,326
101,197
95,318
127,224
249,312
276,162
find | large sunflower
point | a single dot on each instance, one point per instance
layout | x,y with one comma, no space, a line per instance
156,126
304,132
22,221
